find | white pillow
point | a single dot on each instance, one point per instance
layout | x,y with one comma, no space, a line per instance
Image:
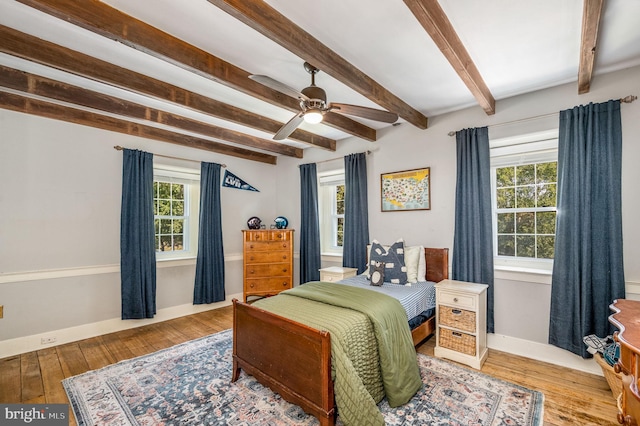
422,266
411,261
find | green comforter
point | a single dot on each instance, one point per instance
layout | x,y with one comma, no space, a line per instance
372,351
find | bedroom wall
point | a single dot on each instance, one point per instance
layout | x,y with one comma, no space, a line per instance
522,301
60,227
60,206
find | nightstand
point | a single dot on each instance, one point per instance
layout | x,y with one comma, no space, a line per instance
336,273
461,322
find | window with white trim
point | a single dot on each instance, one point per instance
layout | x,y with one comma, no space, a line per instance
331,211
524,194
175,212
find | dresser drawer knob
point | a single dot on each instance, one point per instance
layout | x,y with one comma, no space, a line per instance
284,284
455,299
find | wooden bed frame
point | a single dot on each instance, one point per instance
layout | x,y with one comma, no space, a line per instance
295,360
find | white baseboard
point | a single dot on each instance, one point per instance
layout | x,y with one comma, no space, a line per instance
542,352
72,334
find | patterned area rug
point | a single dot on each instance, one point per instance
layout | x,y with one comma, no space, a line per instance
189,384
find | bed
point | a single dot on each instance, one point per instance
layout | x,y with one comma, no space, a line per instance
294,359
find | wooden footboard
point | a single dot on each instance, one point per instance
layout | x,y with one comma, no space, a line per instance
288,357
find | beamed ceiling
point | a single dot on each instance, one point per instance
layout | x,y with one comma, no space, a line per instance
178,71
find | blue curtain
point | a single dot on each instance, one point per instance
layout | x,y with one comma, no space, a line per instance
137,236
309,224
588,271
473,238
209,284
356,213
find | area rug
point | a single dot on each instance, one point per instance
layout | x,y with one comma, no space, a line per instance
189,384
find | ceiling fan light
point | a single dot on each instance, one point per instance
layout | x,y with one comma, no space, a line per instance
313,116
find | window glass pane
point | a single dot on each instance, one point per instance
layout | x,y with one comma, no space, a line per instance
505,223
547,172
526,175
157,242
525,223
177,191
505,176
340,199
340,234
164,207
547,195
178,242
165,243
525,196
164,190
545,246
526,246
506,198
546,222
506,245
177,208
156,224
178,226
165,226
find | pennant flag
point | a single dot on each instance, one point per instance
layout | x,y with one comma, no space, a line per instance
232,181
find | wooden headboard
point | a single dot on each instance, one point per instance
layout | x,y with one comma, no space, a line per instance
437,263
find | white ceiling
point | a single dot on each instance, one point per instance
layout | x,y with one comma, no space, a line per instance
517,46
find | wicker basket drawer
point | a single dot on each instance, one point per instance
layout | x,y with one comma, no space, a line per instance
457,341
457,318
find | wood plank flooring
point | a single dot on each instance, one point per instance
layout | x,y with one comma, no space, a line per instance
571,397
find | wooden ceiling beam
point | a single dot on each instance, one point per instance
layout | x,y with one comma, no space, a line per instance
59,91
31,48
435,22
24,104
98,17
591,15
269,22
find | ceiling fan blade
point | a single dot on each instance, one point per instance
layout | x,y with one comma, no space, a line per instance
276,85
288,128
364,112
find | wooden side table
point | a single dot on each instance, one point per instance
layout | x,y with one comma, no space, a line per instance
336,273
461,318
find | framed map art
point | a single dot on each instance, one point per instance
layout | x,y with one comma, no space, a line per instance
407,190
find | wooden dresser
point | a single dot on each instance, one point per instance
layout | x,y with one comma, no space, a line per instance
627,319
461,322
268,261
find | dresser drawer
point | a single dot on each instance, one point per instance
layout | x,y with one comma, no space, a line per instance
457,341
456,299
267,270
457,318
257,236
279,235
267,245
275,285
267,257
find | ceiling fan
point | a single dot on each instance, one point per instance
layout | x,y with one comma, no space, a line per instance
313,104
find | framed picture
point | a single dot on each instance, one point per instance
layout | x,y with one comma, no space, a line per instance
407,190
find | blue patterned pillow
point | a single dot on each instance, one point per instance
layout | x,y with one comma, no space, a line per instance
395,270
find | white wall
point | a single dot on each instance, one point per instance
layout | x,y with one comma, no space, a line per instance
522,302
60,224
60,204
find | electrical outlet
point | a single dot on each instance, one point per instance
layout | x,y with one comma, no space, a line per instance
48,340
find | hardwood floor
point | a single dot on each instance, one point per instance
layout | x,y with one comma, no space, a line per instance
571,397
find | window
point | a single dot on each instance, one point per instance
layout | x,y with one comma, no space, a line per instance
331,210
175,203
524,192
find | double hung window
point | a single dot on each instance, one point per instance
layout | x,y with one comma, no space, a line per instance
524,174
331,208
175,212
